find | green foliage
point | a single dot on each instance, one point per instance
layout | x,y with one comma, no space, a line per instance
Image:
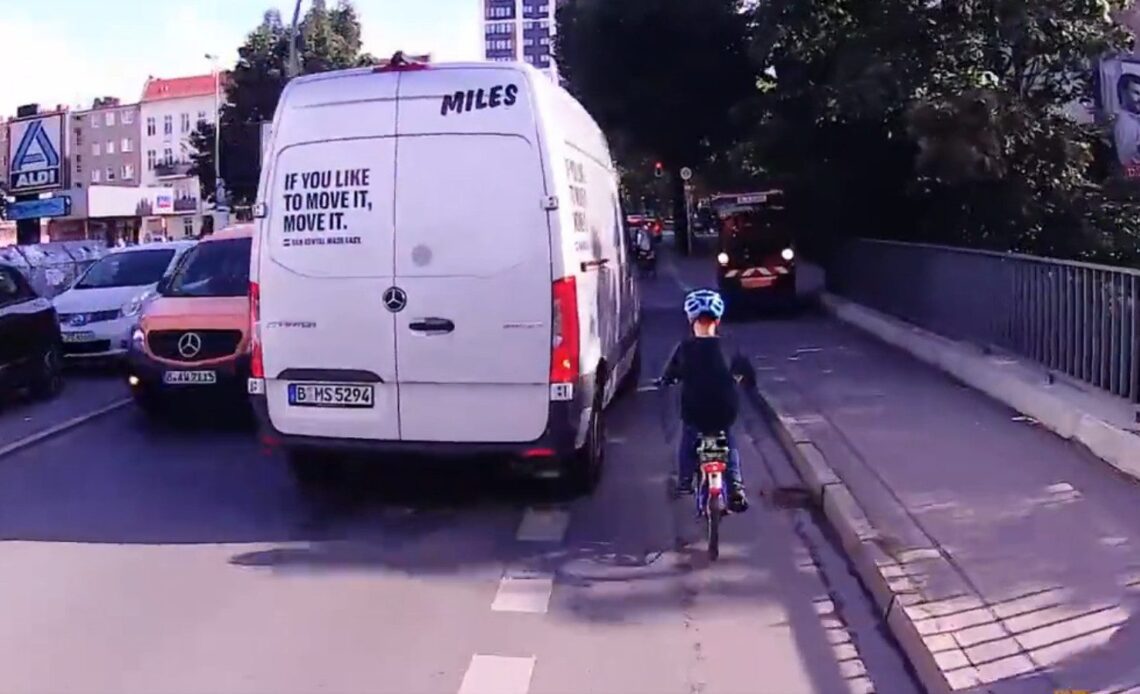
661,76
329,39
931,120
941,121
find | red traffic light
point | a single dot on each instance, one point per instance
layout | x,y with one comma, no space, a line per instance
658,168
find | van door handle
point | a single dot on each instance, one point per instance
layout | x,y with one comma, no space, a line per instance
437,326
599,263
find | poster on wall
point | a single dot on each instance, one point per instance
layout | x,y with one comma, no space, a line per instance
1120,97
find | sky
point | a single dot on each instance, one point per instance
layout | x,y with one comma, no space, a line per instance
71,51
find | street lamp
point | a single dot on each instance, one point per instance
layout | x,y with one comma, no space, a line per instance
217,138
217,118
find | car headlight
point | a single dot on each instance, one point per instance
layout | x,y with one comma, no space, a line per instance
722,258
135,305
787,254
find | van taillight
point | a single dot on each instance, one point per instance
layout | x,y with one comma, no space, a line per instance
256,364
564,336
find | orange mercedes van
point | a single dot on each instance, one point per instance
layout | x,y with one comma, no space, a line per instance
192,338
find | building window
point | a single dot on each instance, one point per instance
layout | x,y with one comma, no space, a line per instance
109,118
545,40
110,174
187,226
150,157
79,137
127,117
127,145
78,163
96,149
150,129
167,156
94,175
128,172
185,123
110,147
94,120
168,125
202,117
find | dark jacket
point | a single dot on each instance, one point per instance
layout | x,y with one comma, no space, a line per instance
709,402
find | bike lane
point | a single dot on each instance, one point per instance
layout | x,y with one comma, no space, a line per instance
1016,553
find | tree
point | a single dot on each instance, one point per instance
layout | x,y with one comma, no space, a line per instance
663,75
329,39
937,120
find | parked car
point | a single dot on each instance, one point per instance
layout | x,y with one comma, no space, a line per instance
29,337
99,311
192,338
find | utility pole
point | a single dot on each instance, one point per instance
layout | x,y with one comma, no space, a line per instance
294,66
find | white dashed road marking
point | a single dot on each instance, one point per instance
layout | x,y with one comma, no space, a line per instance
522,590
497,674
543,525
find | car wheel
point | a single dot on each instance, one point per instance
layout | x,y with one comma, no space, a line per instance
585,467
49,380
148,403
633,378
311,470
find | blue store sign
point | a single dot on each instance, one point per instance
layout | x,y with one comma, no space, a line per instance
36,209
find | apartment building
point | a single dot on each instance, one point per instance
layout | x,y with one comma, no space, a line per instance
169,111
520,30
104,144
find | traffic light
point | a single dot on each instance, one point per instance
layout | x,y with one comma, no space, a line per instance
658,169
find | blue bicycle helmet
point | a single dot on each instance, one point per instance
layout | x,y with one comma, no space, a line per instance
703,302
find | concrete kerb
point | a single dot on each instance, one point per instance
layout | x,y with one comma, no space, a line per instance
1115,446
50,432
909,609
883,575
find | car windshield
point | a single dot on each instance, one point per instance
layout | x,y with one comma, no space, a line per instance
133,269
215,268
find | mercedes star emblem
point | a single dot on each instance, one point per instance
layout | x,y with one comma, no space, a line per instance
78,320
189,345
395,299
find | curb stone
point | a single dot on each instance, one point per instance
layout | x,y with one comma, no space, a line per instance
62,427
921,620
1117,447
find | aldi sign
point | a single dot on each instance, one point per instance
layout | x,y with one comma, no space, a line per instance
35,153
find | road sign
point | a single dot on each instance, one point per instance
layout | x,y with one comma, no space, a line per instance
35,153
686,173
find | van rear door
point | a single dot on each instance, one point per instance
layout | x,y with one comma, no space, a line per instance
326,261
473,254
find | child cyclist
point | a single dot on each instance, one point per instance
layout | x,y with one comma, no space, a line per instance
709,401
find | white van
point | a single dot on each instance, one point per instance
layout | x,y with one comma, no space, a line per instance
440,267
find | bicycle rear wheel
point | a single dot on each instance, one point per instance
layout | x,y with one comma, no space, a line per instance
714,512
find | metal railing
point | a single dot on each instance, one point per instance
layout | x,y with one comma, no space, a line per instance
1078,319
51,268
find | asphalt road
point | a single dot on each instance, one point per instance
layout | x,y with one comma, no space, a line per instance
155,561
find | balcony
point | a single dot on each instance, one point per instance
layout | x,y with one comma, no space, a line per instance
186,204
172,169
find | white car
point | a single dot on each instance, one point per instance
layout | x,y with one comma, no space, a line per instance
98,312
440,266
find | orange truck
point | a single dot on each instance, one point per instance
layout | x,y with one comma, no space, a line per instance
756,258
192,339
